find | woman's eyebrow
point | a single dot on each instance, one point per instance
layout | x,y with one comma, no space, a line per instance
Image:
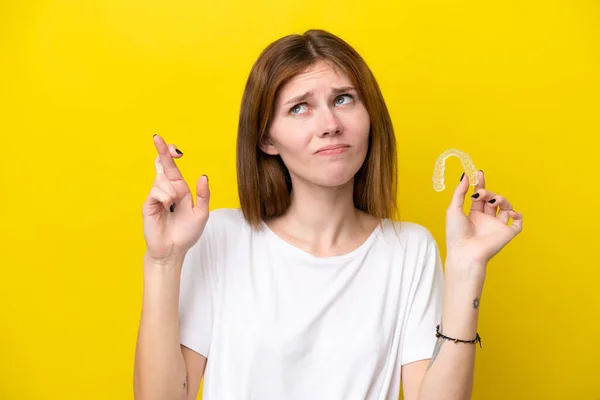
343,89
298,99
302,97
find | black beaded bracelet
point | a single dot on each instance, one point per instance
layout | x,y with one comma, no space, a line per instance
439,335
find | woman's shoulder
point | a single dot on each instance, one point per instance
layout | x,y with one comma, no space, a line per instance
230,214
227,219
225,226
408,232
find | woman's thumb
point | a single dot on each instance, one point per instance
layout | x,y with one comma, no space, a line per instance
202,194
458,197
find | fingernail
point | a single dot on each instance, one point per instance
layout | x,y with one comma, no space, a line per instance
476,195
155,134
206,177
481,171
492,201
172,208
462,176
178,151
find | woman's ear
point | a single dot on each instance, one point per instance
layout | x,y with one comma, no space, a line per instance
266,145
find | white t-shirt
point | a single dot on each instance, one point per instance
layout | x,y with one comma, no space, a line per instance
277,323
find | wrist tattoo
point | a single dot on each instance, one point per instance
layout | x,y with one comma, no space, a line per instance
476,303
185,383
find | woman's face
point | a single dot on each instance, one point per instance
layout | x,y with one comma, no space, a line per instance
320,128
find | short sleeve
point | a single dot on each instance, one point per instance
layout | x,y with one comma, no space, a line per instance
197,293
425,308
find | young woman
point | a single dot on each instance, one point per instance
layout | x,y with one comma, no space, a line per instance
312,289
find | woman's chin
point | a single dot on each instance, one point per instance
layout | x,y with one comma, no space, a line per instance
335,179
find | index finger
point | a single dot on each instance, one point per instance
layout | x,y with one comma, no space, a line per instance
167,162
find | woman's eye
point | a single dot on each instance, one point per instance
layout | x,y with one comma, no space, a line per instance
298,108
341,99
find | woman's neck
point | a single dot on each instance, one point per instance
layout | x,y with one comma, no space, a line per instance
323,221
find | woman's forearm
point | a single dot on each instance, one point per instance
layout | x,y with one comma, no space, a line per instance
160,371
449,375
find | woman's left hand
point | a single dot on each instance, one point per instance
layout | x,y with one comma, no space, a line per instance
473,239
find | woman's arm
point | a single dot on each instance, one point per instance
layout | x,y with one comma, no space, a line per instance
160,370
449,374
472,241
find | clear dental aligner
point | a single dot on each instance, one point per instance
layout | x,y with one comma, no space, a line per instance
440,166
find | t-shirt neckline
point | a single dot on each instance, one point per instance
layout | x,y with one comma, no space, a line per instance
298,252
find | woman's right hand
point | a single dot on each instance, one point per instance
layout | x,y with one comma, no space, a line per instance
172,223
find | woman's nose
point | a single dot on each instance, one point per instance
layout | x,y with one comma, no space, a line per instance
331,125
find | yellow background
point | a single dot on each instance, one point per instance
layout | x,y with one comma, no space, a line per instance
85,84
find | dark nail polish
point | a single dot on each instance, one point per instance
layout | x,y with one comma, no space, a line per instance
492,201
172,208
476,195
462,176
178,152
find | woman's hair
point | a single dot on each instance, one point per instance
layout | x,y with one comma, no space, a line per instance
264,183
